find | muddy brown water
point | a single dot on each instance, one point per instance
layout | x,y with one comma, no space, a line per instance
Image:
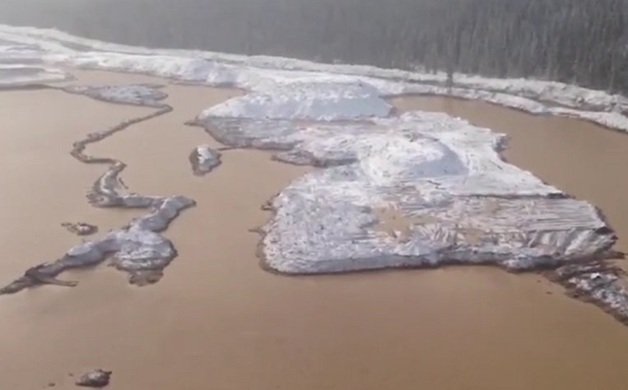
218,321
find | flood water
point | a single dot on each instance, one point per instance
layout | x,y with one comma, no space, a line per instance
218,321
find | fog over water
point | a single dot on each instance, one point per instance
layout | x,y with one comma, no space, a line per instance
325,30
573,41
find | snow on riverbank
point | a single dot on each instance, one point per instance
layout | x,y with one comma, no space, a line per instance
260,72
18,76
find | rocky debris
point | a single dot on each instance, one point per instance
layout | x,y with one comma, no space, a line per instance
80,228
97,378
204,159
596,282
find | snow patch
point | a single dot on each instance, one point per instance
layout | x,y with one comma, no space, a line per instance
20,76
311,101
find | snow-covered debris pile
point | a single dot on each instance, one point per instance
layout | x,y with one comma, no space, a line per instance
461,201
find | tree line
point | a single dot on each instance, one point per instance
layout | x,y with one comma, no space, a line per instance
574,41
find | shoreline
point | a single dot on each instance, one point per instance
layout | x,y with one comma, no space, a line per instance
623,131
213,69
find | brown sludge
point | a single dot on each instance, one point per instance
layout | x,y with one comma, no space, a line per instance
216,320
